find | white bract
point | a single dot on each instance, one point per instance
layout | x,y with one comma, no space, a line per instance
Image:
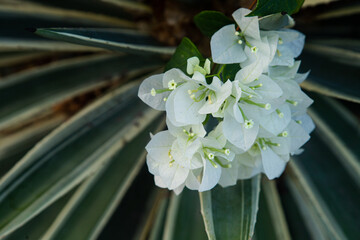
255,121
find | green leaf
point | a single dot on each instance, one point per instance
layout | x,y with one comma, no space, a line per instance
76,221
233,209
271,223
230,71
318,218
328,114
122,40
210,22
28,98
183,218
64,160
267,7
184,51
331,71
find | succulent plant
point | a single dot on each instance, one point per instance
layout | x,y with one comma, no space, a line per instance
73,132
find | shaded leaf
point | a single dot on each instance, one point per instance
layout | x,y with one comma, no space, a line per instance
211,21
233,209
116,40
267,7
183,52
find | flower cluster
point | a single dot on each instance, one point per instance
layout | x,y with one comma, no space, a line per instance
260,114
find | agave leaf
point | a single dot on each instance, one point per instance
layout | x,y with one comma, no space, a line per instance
130,5
295,220
35,228
233,210
158,222
318,218
116,40
54,157
339,129
336,54
35,11
331,190
151,226
14,44
339,12
331,77
76,221
23,94
183,213
15,58
32,106
271,223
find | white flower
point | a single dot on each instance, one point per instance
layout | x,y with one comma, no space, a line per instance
261,113
161,162
290,45
155,89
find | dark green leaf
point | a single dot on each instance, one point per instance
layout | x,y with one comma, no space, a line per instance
267,7
230,213
210,21
230,71
122,40
184,51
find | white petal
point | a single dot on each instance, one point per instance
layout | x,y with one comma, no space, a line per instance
272,163
229,176
192,182
170,110
237,134
153,165
197,129
199,78
179,189
225,48
284,72
274,123
250,72
211,176
157,101
159,146
173,176
159,182
183,152
186,109
300,77
217,134
217,100
269,88
275,21
298,136
306,122
174,74
248,25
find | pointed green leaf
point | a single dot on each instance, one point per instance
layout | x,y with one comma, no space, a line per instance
328,114
332,75
267,7
271,223
184,51
184,213
64,160
233,208
210,22
118,173
113,39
